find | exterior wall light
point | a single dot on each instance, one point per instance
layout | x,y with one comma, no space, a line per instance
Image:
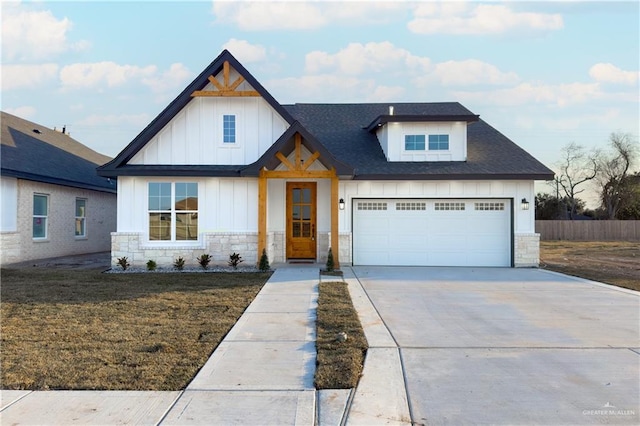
524,204
341,204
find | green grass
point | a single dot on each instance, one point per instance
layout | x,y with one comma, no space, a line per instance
75,329
339,364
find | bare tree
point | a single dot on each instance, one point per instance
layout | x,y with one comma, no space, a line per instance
614,166
577,167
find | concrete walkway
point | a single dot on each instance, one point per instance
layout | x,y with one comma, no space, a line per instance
260,374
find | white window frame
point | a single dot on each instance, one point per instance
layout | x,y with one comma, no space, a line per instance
44,217
404,143
82,219
235,130
173,212
428,148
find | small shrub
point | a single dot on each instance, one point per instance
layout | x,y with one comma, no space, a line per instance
179,263
123,262
264,262
204,260
330,266
151,265
235,259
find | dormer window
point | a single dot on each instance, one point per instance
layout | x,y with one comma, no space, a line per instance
438,142
414,142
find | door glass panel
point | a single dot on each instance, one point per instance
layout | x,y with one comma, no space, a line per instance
306,229
306,212
296,195
296,229
296,212
306,195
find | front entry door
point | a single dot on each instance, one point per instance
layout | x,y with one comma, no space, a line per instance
301,220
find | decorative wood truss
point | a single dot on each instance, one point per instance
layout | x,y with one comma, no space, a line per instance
226,88
297,170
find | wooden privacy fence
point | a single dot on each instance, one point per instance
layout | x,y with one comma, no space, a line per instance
589,230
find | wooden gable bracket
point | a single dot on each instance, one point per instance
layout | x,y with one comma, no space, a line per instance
224,88
299,165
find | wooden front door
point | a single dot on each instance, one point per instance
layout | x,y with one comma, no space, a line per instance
301,220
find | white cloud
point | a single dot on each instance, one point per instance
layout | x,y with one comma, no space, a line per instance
244,51
21,76
26,112
460,18
357,59
303,15
86,75
470,72
313,88
609,73
526,93
137,120
253,16
170,80
34,34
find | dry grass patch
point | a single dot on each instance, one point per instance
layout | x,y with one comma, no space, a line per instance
65,329
339,363
616,263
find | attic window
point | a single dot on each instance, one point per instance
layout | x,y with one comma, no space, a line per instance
414,142
36,131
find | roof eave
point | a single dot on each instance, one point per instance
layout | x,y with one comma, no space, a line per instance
449,176
384,119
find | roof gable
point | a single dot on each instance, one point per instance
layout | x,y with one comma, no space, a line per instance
286,144
197,88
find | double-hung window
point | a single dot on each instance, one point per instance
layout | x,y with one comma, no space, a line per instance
173,211
229,129
414,142
81,217
40,216
438,142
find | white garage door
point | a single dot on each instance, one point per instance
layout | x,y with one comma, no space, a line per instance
432,232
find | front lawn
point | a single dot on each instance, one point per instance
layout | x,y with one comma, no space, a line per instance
611,262
340,362
71,329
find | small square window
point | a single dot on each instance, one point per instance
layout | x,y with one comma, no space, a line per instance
438,142
229,128
414,142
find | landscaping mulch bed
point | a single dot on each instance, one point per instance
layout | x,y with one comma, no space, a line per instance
612,262
82,329
339,363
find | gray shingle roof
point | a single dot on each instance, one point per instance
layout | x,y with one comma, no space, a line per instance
34,152
342,129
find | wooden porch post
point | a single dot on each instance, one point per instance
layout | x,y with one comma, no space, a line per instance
334,220
262,213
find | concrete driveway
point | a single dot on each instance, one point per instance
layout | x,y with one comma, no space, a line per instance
504,346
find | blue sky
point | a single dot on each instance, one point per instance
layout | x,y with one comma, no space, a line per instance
543,73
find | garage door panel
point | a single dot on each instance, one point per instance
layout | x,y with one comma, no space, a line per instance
432,232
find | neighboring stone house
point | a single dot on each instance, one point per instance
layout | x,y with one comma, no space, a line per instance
53,202
226,168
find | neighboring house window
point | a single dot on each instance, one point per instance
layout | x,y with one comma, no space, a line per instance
229,128
40,215
438,142
414,142
173,211
81,217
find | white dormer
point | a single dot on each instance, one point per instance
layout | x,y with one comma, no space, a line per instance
422,138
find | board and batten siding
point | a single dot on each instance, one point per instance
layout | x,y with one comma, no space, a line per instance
391,137
224,204
524,220
194,135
